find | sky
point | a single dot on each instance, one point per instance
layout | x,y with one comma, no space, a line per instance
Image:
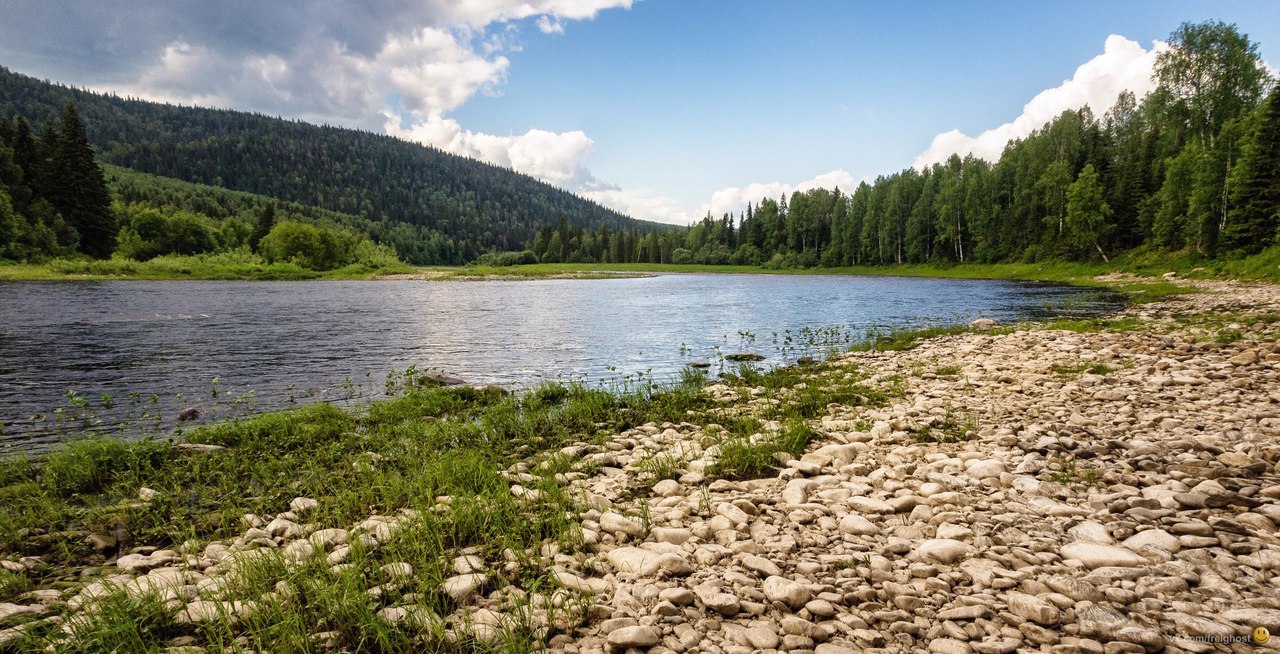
662,109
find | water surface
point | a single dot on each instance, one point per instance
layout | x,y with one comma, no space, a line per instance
232,347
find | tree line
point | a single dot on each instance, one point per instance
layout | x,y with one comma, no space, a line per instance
53,196
1195,166
56,201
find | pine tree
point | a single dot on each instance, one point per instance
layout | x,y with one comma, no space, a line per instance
266,220
80,189
1256,186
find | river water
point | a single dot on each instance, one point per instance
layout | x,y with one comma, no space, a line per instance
229,348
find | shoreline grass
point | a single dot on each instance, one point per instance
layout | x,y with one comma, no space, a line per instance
1264,266
211,267
449,456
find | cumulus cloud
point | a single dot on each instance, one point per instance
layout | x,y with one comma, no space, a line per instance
314,59
1123,65
558,158
735,198
644,204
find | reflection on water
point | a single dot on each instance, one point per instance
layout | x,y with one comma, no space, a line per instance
226,347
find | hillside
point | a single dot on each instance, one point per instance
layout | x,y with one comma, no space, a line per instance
411,190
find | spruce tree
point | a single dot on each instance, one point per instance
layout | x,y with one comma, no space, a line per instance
266,221
1255,200
80,189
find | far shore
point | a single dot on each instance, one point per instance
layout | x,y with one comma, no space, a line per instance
1158,271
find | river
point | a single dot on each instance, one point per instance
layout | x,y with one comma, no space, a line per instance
229,348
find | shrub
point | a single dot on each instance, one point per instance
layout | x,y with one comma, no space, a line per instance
506,258
307,245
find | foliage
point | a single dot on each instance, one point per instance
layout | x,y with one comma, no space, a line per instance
1255,185
53,196
306,245
504,259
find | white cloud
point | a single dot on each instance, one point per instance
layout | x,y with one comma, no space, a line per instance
550,25
643,204
646,204
435,72
339,64
1123,65
557,158
479,13
735,198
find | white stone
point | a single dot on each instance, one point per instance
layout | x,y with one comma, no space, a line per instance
986,469
644,562
615,523
1091,532
1097,555
468,564
463,587
303,505
870,505
672,535
857,525
666,488
397,570
637,636
283,527
1030,607
328,538
761,566
722,603
201,611
582,584
941,550
734,514
1157,538
781,589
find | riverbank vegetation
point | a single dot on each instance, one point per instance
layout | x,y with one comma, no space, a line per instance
448,457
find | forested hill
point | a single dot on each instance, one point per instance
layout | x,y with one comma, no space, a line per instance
477,206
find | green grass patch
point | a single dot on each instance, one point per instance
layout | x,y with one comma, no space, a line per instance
1097,325
222,266
751,456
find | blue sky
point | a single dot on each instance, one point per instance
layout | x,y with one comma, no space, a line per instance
663,108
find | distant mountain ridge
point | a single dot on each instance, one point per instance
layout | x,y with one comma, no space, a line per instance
476,206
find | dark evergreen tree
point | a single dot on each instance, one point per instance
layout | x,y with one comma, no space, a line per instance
1256,186
266,221
80,192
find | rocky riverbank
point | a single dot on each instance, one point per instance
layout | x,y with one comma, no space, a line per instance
1081,487
1112,492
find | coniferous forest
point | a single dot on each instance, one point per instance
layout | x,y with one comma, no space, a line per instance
1192,167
